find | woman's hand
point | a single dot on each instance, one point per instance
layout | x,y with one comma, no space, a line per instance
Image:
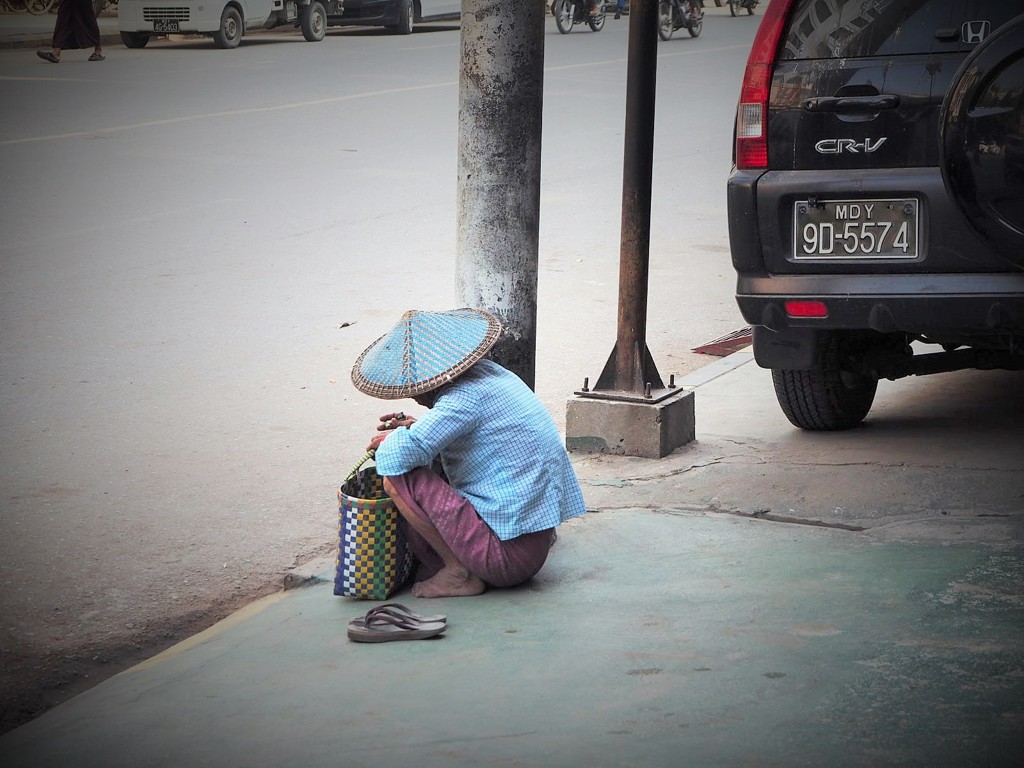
394,420
376,441
389,422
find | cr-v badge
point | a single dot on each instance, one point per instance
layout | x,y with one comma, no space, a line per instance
838,146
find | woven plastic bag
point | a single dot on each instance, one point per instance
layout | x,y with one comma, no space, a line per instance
374,558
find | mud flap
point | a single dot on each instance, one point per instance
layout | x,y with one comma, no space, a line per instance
793,349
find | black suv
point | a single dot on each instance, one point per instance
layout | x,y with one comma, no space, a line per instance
877,196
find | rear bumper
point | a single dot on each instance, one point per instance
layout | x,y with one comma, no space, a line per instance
920,304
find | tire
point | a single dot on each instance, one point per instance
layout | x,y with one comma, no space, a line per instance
694,29
666,22
563,16
39,7
406,17
134,39
825,398
732,7
230,33
596,23
313,22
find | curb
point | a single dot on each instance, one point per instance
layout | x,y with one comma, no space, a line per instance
43,41
36,40
40,30
720,367
314,572
110,35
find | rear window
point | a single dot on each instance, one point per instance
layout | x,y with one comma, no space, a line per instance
835,29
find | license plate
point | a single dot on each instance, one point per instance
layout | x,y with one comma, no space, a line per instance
165,25
855,229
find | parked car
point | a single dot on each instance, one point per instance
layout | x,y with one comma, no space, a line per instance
876,203
398,16
226,21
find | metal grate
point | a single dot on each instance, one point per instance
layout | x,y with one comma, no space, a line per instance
178,12
726,345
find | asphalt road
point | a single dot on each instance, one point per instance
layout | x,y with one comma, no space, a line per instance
195,245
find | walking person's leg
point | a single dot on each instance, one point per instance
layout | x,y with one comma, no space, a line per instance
93,27
60,27
89,28
75,27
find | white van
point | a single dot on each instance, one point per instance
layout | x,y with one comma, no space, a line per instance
224,20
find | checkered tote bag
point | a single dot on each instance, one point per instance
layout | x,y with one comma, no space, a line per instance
374,559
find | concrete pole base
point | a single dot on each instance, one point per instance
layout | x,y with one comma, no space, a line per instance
650,430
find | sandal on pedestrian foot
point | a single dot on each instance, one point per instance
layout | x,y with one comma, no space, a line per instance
97,57
48,55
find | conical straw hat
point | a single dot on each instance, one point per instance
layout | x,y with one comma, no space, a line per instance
425,350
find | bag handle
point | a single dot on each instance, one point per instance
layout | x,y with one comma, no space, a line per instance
365,458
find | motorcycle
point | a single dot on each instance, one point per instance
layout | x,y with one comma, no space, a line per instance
734,5
679,14
569,12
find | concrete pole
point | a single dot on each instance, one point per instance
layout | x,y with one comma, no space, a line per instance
501,90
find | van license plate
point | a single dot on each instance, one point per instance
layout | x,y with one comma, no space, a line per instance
165,25
855,229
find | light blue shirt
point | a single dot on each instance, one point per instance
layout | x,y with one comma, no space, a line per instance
499,448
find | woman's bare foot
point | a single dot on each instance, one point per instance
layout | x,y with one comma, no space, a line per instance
450,582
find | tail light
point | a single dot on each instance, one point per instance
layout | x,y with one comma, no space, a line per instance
752,114
806,308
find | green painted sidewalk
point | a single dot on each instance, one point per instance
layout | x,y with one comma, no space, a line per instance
650,639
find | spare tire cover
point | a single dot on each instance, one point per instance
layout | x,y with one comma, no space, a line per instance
982,136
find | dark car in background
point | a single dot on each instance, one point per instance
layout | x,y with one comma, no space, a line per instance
398,16
876,204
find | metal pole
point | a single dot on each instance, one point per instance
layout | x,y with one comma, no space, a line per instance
501,90
630,368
